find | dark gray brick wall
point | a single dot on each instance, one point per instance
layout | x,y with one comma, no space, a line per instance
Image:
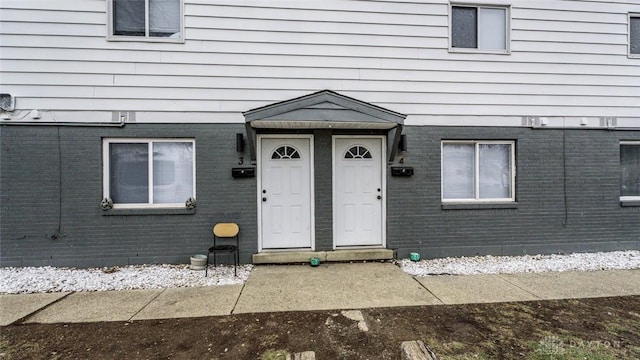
592,219
30,193
323,189
31,187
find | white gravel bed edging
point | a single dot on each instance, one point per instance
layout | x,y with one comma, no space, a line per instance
615,260
16,280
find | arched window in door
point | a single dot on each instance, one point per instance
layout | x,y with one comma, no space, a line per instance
358,152
285,152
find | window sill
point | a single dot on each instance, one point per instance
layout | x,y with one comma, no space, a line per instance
145,39
630,203
164,211
479,51
479,206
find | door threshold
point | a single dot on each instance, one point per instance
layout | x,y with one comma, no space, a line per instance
288,257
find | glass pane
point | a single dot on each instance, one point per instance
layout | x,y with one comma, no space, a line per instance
164,18
634,35
172,172
128,173
495,171
629,170
357,152
464,22
458,171
128,17
285,152
492,29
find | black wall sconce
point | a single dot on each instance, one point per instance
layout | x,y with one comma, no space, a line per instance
402,144
239,143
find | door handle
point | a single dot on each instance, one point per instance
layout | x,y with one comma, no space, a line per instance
264,199
379,197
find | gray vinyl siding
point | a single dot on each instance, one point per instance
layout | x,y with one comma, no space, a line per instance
568,58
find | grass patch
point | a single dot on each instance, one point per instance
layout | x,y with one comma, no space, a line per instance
22,348
274,355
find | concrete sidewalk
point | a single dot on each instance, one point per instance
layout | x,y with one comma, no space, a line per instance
301,288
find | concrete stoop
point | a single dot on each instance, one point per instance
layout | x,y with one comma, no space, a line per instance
288,257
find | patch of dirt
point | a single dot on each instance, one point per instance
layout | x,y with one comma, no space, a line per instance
609,327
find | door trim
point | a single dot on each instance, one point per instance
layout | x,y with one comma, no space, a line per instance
383,175
259,187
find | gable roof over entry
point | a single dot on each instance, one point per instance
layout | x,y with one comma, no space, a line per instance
325,109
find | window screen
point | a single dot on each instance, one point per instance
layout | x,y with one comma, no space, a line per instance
634,34
464,25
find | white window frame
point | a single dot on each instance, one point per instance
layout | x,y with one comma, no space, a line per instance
478,5
106,190
629,198
112,37
629,53
476,170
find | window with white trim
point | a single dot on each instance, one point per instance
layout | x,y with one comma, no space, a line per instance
153,20
479,28
630,170
140,173
478,171
634,35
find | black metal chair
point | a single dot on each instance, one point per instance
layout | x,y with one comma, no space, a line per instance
225,232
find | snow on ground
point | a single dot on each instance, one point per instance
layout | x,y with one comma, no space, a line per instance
15,280
523,264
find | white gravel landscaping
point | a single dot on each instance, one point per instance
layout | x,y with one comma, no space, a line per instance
523,264
16,280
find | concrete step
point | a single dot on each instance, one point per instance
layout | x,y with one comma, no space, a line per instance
288,257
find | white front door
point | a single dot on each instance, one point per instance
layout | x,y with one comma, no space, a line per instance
285,192
358,191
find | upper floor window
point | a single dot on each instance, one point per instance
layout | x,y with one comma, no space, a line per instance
479,28
154,20
478,171
141,173
630,170
634,35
